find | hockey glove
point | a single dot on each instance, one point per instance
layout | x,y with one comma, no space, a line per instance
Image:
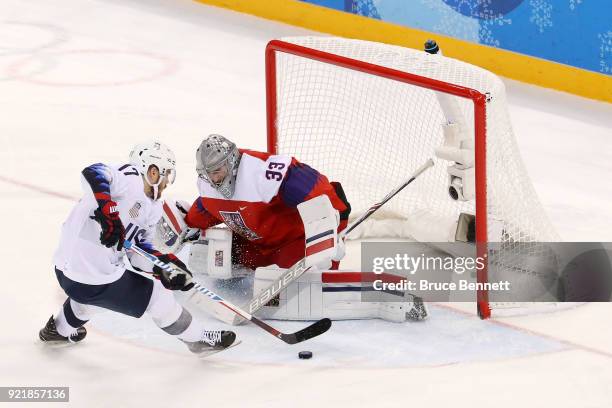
113,233
178,279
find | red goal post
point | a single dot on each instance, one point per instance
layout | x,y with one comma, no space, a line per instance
321,53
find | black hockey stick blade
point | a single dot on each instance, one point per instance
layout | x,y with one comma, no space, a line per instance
315,329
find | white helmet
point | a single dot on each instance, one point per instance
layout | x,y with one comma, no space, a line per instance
157,154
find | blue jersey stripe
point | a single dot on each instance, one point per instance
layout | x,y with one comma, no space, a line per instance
146,246
98,176
200,205
322,234
298,183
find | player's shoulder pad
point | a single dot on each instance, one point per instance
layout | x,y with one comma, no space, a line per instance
126,178
266,172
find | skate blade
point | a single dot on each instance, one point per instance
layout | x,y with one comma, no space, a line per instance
209,353
55,344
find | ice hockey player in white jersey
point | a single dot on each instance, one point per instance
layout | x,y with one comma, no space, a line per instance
122,202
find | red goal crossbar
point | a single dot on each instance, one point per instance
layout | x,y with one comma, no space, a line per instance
479,100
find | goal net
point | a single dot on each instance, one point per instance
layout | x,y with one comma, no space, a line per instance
368,114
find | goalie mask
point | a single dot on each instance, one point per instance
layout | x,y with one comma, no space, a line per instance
217,163
145,155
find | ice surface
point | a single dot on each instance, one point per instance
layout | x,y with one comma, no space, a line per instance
81,81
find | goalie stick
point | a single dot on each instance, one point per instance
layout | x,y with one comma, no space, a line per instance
429,163
291,274
315,329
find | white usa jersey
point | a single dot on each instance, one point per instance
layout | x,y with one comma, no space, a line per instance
80,255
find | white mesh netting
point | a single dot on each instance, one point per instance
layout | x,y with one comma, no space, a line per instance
370,133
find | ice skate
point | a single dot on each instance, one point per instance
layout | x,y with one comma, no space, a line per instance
212,342
49,334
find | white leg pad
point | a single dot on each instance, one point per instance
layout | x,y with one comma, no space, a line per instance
306,299
394,311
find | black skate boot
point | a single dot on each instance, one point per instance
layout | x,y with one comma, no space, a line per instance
212,341
49,334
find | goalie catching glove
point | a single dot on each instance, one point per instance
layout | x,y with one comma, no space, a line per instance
177,279
171,231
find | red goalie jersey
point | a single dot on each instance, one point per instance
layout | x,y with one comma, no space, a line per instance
262,211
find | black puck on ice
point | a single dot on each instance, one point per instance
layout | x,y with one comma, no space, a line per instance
305,355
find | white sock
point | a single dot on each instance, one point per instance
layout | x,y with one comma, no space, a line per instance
62,326
193,332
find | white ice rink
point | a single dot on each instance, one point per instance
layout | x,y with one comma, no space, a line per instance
82,81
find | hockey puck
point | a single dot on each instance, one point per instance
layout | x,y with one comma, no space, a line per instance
305,355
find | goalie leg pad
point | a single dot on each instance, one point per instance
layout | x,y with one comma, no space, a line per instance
333,294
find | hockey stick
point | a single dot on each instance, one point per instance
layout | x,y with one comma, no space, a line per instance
291,274
315,329
429,163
